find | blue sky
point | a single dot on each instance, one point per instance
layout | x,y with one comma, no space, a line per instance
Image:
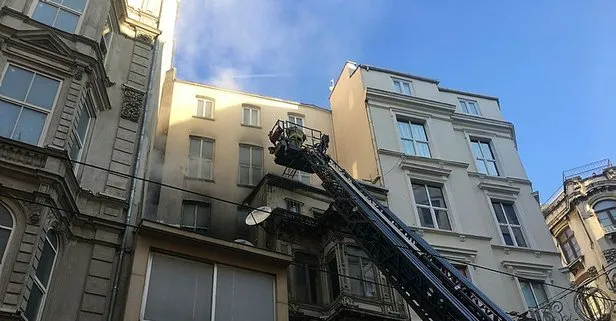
551,63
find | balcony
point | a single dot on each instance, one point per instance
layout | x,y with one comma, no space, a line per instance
610,229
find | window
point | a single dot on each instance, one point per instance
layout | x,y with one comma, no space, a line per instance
251,165
250,116
205,108
200,158
414,139
306,278
333,277
42,277
317,213
196,216
484,158
186,290
6,227
463,269
534,295
150,5
509,225
606,213
62,14
26,99
362,273
105,42
469,107
294,206
431,206
302,177
297,120
402,87
568,245
80,133
242,228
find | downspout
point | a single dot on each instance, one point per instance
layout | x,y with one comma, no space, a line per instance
131,206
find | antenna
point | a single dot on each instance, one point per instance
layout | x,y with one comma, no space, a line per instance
259,215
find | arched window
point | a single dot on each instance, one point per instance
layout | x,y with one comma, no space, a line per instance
6,227
42,277
606,212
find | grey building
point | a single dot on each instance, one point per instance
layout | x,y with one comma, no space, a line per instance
77,78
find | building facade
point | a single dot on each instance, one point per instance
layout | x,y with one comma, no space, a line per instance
77,80
450,163
582,219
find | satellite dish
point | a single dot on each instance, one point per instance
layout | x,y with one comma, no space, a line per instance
242,241
259,215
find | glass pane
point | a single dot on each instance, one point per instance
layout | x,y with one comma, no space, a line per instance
603,205
75,147
604,218
203,293
519,237
6,219
301,283
423,150
246,116
256,175
397,87
254,117
206,169
43,270
443,220
472,108
355,275
406,89
8,118
29,126
34,301
408,147
498,210
369,277
334,281
66,21
82,124
528,294
244,155
244,295
244,176
203,216
188,215
418,132
16,82
540,294
257,157
77,5
43,92
506,235
209,109
436,196
45,13
486,151
420,194
4,240
194,147
511,216
405,129
476,150
200,108
425,217
53,238
193,167
463,106
481,166
207,150
492,168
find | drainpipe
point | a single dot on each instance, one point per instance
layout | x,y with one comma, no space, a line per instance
131,206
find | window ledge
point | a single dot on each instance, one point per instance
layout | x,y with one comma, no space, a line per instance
508,248
421,230
209,180
251,126
246,185
206,118
579,259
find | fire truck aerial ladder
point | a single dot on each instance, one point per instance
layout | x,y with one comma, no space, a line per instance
434,289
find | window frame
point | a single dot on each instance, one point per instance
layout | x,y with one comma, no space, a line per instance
431,207
89,104
24,104
509,225
194,227
569,240
251,109
535,313
250,167
610,211
36,282
402,82
412,139
483,159
464,104
107,45
289,202
313,298
10,238
200,159
363,281
295,118
61,7
205,101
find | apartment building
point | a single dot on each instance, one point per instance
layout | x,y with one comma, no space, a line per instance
582,219
450,163
77,78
